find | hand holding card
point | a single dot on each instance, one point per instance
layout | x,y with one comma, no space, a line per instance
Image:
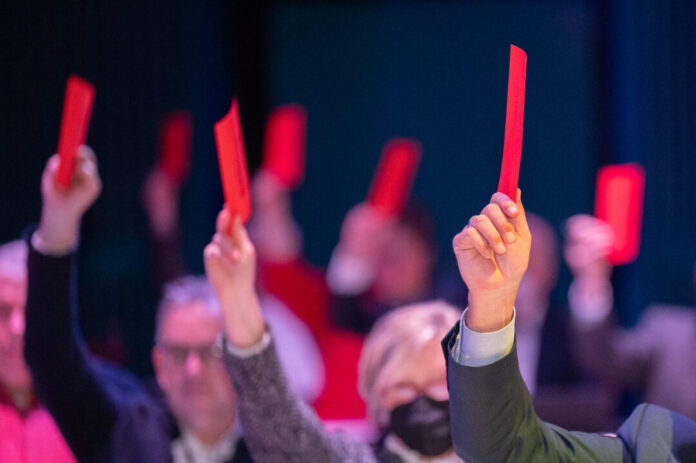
233,168
284,144
77,109
175,138
391,185
619,202
514,122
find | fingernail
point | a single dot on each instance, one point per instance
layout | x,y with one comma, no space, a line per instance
500,248
512,209
509,237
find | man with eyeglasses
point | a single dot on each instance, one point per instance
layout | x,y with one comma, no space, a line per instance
104,414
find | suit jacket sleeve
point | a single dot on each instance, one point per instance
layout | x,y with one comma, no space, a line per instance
493,418
277,426
63,377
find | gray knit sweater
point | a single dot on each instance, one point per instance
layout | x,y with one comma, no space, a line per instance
277,426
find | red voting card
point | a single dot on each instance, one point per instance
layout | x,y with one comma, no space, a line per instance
619,202
284,145
77,109
233,168
391,185
175,137
514,122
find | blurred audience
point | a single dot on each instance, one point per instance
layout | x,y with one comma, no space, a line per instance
299,353
402,373
28,433
104,414
546,353
657,355
380,263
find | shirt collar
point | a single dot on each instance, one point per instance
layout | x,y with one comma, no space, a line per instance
188,449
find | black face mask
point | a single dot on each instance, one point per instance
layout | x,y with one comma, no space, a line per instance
423,425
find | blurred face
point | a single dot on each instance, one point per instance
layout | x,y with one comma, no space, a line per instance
424,373
405,269
14,373
190,371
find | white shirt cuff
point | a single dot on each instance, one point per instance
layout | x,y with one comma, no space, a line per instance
347,275
474,349
246,352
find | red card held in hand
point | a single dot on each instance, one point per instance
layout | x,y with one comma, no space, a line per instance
514,122
284,145
233,167
77,109
175,138
391,185
619,202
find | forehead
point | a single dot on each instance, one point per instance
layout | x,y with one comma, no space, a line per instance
190,323
419,367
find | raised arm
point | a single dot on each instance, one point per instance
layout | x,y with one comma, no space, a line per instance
603,349
492,414
278,427
63,377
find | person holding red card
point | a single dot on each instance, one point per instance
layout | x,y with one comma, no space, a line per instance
492,414
104,413
658,356
402,375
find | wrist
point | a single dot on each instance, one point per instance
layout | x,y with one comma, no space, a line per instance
55,242
244,322
491,310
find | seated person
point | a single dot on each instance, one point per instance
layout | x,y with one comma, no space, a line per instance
105,415
657,358
493,418
28,433
299,352
402,374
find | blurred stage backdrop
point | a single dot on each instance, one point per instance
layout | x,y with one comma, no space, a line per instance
607,81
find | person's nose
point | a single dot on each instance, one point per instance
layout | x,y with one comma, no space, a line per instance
193,363
17,323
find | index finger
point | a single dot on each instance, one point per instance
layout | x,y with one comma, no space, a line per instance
512,209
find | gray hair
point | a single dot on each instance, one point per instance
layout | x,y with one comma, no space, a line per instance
185,290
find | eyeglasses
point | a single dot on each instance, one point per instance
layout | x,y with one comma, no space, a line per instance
179,353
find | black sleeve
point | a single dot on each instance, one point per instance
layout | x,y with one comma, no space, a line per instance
64,378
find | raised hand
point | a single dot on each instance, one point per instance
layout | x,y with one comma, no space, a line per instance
62,209
364,232
230,264
587,245
492,253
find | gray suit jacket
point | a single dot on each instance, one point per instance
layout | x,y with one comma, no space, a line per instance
493,420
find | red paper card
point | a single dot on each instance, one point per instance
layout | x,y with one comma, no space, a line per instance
233,168
77,109
619,202
391,185
284,145
175,137
514,122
